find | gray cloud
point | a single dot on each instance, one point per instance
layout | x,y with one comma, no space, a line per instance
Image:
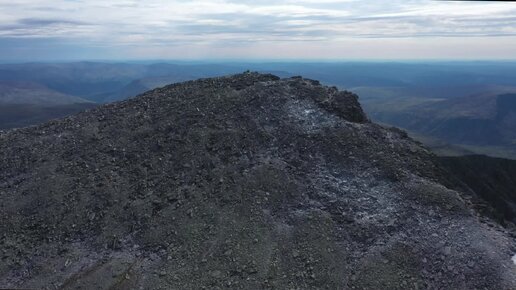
208,26
48,22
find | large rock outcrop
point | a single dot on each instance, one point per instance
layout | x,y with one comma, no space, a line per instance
241,182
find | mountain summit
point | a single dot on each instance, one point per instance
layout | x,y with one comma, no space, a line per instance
240,182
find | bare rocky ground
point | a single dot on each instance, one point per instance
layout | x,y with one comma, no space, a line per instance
242,182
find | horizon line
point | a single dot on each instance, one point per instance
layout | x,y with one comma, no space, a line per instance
256,60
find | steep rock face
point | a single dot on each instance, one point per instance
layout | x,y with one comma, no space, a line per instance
242,182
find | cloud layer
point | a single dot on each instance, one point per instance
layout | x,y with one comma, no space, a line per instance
255,29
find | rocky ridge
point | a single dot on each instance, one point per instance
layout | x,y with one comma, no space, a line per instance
240,182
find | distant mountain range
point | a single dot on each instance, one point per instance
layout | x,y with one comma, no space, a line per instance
27,103
35,94
483,123
96,81
455,108
104,82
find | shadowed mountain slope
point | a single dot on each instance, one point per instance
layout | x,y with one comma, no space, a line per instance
34,94
483,123
492,179
25,103
241,182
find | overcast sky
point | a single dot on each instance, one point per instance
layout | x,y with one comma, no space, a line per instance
245,29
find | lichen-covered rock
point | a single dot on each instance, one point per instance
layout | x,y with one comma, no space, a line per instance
241,182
